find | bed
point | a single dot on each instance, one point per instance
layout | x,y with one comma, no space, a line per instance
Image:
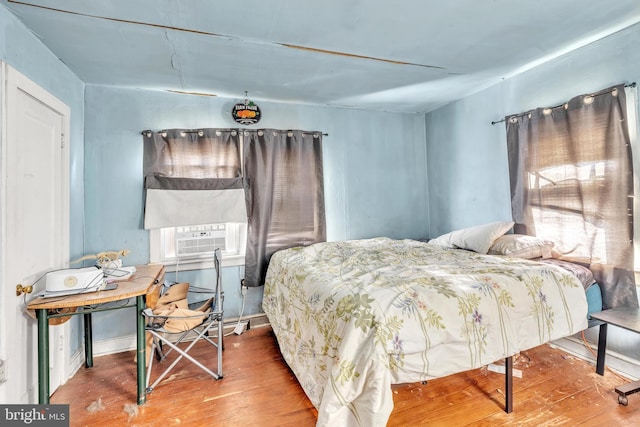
354,317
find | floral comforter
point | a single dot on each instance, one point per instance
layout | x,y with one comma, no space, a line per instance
353,317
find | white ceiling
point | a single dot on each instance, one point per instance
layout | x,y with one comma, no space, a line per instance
408,56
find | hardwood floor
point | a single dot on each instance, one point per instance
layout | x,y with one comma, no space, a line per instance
258,389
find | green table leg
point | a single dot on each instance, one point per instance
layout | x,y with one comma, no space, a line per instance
141,347
43,357
88,341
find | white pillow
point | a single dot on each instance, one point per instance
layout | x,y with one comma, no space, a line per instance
521,246
478,238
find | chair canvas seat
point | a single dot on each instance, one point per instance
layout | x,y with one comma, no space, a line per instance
171,316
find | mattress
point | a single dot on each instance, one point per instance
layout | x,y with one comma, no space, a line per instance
351,318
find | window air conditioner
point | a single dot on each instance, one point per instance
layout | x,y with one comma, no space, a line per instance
200,240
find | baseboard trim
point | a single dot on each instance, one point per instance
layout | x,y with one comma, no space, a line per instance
619,363
257,320
128,342
76,362
114,345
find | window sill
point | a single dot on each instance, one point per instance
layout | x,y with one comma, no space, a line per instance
200,263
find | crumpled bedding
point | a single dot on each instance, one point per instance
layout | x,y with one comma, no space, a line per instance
580,271
353,317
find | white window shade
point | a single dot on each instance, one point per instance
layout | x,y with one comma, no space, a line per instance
171,208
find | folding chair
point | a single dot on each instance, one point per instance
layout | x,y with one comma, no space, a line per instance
193,321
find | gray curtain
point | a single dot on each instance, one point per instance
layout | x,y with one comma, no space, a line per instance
178,161
285,195
572,183
194,154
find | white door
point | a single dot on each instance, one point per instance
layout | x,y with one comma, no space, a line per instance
34,199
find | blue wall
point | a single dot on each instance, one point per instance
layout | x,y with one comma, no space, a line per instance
467,168
376,163
374,166
467,164
25,53
467,156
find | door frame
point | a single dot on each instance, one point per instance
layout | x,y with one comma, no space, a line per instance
60,357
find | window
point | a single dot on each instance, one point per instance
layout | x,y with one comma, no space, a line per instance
572,183
194,177
200,177
567,207
191,247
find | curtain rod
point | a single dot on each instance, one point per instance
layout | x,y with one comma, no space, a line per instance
200,132
557,106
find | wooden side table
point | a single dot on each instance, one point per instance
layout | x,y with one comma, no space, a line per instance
137,286
623,317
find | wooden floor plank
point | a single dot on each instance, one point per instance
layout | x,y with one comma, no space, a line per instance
258,389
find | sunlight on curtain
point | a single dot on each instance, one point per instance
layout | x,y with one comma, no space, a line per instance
192,178
632,121
572,183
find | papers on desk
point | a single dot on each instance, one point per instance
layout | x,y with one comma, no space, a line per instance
121,273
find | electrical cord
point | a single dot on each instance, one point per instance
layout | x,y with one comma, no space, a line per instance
243,290
195,289
51,295
95,283
114,270
586,344
33,285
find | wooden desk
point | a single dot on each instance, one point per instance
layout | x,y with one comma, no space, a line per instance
629,319
138,285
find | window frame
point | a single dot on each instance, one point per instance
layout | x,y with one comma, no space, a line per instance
172,263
